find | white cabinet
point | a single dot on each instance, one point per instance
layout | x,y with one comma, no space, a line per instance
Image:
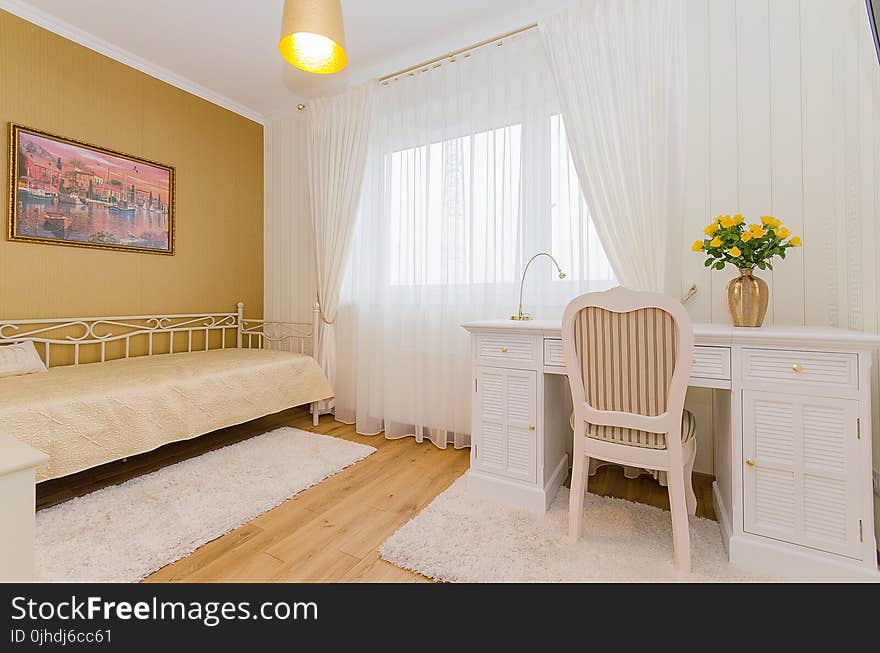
505,413
802,468
518,452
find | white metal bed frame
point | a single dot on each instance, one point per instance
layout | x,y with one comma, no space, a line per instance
81,332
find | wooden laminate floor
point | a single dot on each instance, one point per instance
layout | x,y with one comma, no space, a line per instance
330,532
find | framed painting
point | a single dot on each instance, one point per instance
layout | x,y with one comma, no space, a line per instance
66,192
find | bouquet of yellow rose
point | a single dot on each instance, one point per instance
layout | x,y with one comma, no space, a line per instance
730,240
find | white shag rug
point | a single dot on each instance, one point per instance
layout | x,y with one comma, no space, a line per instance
460,537
125,532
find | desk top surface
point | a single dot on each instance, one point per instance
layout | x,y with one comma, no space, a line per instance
713,334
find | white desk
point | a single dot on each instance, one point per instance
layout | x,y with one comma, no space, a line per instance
793,491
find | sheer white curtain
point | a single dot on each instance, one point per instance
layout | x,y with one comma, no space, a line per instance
621,72
468,175
338,134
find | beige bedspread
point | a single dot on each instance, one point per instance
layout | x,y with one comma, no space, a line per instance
91,414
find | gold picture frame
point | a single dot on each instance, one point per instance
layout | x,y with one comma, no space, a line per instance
63,191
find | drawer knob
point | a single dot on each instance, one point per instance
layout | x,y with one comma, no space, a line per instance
797,368
750,462
531,427
504,350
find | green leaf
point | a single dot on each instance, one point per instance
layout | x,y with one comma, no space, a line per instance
708,262
719,265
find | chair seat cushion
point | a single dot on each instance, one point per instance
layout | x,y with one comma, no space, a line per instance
637,438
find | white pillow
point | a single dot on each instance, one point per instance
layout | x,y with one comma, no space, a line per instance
20,358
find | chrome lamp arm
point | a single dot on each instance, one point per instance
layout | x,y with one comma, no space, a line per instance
525,316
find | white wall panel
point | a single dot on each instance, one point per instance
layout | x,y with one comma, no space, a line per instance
754,136
786,173
723,171
697,158
290,285
792,111
820,157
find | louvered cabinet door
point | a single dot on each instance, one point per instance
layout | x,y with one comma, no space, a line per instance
506,412
490,420
522,411
800,470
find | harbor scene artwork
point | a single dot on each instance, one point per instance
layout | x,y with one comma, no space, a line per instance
64,192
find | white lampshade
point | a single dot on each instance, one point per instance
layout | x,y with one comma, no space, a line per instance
312,35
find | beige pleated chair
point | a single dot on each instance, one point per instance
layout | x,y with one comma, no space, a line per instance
628,356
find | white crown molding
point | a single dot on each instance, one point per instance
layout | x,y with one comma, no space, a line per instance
42,19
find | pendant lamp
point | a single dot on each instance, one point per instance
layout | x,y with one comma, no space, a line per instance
312,35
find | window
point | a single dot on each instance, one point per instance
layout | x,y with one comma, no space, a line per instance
472,209
455,209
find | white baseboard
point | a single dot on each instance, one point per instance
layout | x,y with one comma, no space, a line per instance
557,478
723,517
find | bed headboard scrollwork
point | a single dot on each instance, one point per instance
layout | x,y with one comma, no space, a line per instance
71,341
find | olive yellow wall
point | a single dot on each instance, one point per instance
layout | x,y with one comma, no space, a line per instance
53,84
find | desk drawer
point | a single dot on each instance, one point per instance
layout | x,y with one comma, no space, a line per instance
498,349
809,367
711,363
553,352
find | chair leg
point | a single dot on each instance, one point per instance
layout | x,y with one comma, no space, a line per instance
316,417
680,533
579,471
690,455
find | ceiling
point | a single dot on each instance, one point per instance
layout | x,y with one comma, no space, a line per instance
226,50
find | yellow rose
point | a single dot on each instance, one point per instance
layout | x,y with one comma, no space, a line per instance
727,222
738,218
697,246
711,229
796,242
770,221
735,252
746,236
782,232
757,231
716,242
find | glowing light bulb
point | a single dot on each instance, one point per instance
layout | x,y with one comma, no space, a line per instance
313,53
312,35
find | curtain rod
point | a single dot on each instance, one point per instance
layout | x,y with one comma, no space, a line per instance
435,62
